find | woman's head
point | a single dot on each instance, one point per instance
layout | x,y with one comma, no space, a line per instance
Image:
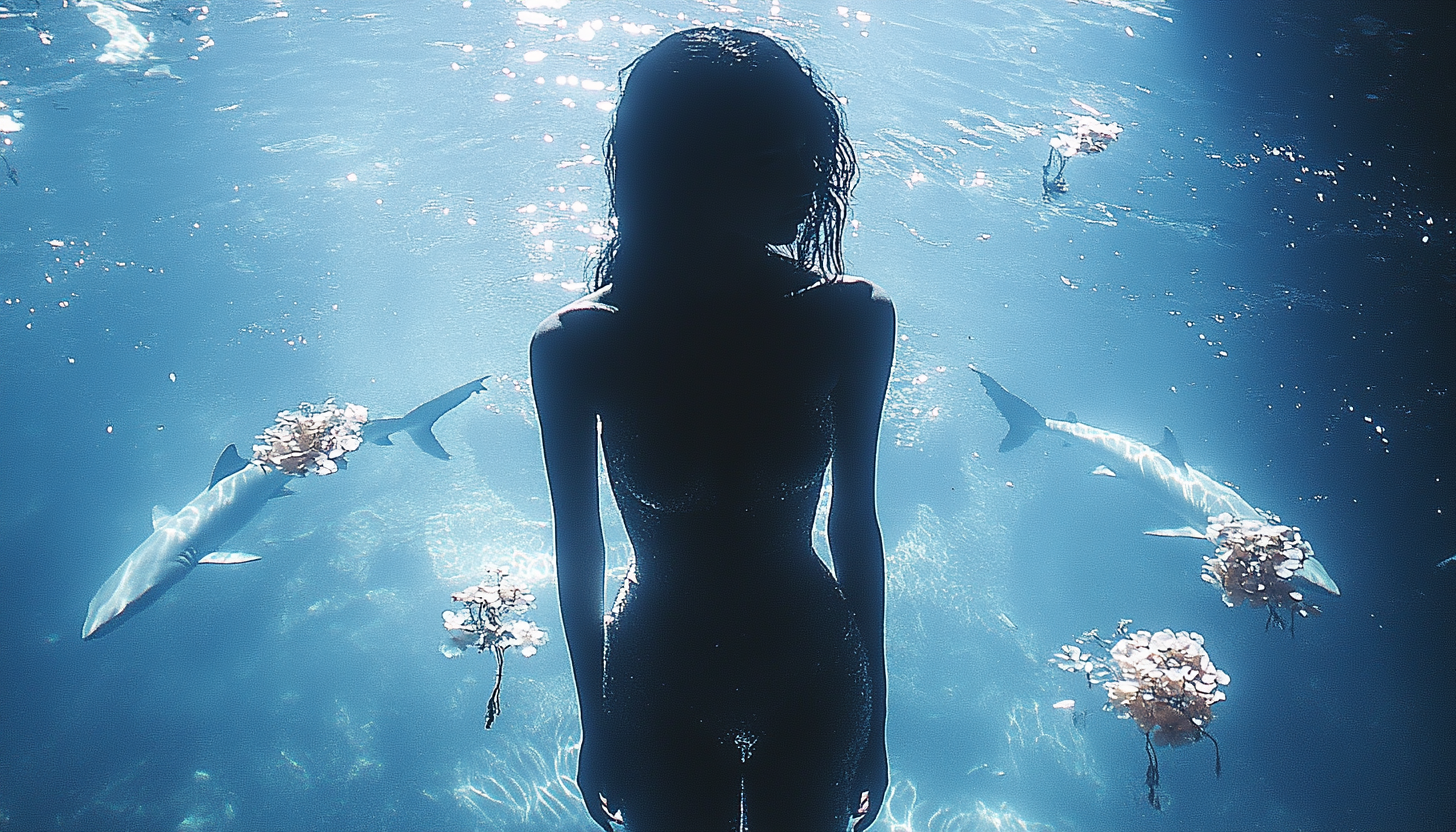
721,132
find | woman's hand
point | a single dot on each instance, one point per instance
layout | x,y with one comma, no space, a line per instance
874,779
591,779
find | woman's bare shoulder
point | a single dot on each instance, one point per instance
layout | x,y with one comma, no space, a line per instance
862,288
855,297
581,320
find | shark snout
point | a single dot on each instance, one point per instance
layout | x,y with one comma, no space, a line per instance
142,579
99,623
104,615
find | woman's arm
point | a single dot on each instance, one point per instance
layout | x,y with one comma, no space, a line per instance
568,420
854,529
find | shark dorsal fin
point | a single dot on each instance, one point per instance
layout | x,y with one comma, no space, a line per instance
228,463
1071,417
160,515
1169,448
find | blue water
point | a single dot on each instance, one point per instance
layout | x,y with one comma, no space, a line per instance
334,202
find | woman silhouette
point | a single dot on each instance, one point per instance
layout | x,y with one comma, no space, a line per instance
724,361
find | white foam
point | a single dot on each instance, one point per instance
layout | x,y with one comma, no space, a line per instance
9,125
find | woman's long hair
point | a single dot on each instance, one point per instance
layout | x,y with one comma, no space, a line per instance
685,96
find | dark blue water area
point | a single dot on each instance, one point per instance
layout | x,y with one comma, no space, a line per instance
339,202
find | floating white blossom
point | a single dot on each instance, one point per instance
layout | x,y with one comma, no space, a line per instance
1085,134
1164,681
1255,562
312,439
490,621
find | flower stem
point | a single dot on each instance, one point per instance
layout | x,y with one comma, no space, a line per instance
1152,778
493,707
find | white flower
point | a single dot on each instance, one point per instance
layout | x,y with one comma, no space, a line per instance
527,636
308,440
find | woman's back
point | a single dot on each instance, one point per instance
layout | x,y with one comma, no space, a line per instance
736,674
718,429
730,644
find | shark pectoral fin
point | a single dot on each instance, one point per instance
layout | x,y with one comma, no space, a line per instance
160,515
1186,531
285,491
228,463
1314,572
229,557
1103,471
427,442
1169,448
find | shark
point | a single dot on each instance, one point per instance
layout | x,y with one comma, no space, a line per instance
419,423
1161,467
236,492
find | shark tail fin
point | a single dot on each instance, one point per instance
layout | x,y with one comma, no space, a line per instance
1022,417
418,423
425,438
378,432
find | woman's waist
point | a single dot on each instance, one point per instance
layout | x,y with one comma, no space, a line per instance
727,558
766,576
764,524
735,606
